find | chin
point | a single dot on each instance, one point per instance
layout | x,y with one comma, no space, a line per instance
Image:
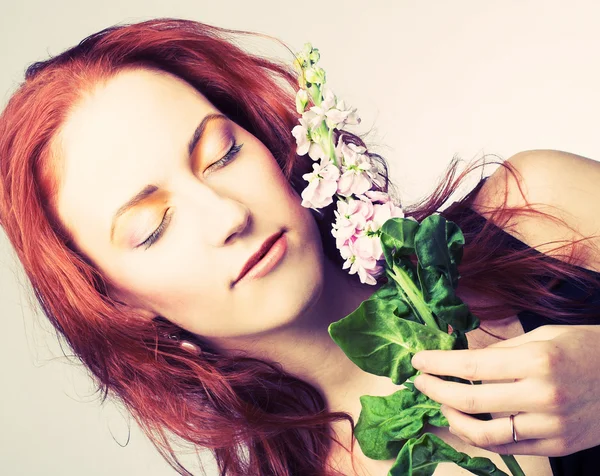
300,287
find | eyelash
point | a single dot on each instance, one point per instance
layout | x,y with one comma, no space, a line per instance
156,234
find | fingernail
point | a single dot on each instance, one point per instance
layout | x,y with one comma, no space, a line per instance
417,361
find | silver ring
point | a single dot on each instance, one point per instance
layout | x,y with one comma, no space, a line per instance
512,427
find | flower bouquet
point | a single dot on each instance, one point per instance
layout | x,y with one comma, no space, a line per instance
416,309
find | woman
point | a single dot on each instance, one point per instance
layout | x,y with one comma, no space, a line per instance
142,171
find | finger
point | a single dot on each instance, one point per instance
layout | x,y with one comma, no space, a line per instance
538,334
498,431
485,398
481,364
542,447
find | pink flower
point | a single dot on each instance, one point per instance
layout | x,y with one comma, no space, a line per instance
383,212
351,217
353,182
361,254
356,169
343,229
361,211
322,184
368,247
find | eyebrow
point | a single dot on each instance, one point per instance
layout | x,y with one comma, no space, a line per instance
150,189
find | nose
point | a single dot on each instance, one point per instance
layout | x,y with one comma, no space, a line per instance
237,227
223,217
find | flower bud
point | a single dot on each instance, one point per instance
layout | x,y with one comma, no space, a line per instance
314,56
315,75
301,100
306,50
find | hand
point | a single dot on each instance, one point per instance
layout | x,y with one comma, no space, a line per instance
555,390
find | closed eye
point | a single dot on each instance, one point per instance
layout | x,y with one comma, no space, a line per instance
156,234
231,153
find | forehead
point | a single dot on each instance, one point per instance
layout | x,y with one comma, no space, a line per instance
124,134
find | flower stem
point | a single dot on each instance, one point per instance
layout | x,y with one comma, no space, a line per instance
412,295
315,93
513,466
331,147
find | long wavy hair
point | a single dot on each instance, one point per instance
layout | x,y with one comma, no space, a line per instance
253,416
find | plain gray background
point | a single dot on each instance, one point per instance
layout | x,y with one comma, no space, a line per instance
432,79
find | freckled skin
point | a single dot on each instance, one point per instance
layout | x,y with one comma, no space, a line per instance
134,130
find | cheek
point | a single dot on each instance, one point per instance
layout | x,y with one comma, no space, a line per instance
299,219
278,192
174,280
187,297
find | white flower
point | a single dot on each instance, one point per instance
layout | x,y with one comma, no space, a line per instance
333,112
305,141
349,153
316,114
340,115
316,152
328,97
322,184
300,132
352,117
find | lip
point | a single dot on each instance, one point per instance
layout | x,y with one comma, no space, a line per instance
263,252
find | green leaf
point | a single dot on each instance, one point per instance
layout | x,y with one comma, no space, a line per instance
383,344
420,457
388,293
385,423
439,246
442,300
398,238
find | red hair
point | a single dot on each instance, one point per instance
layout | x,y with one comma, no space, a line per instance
254,417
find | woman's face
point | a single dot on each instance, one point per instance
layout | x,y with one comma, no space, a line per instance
176,249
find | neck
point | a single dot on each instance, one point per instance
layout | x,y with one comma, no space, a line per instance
304,347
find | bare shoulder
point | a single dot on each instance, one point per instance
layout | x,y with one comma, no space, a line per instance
562,184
